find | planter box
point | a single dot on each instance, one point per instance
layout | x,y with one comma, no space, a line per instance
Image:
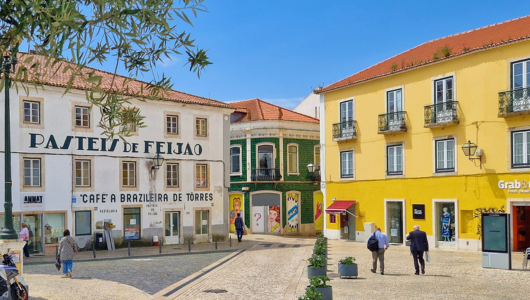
348,271
327,292
311,272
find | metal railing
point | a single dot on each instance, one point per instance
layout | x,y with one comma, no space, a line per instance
315,176
445,112
514,101
392,122
345,130
266,175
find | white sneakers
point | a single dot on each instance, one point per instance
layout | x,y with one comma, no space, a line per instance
70,274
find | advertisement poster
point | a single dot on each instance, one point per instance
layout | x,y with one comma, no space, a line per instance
132,233
274,219
319,214
293,202
236,206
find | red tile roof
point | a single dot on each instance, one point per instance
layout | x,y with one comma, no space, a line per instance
257,109
491,36
54,76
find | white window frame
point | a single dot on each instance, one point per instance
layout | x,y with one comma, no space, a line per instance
31,172
435,222
273,154
348,176
352,101
175,167
394,91
525,153
31,111
317,165
201,124
403,216
84,110
201,169
445,170
297,170
129,166
388,154
444,89
526,73
172,123
232,173
85,164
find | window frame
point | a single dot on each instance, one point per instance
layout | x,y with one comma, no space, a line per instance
167,179
273,163
196,174
444,89
394,91
128,162
445,170
75,222
175,122
297,164
31,102
525,149
394,147
199,127
351,110
525,63
31,177
83,108
317,165
347,176
89,162
240,172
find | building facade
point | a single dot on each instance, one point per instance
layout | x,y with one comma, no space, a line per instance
66,174
271,185
393,138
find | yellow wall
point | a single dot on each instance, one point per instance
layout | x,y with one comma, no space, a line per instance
478,78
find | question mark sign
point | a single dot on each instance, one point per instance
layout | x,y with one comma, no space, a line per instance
258,216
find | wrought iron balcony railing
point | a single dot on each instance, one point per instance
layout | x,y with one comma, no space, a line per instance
392,122
441,114
266,175
514,103
315,176
345,130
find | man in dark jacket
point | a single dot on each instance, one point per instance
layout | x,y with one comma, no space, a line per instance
418,245
239,227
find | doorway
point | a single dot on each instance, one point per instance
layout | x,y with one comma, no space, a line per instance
394,221
34,223
351,223
172,227
266,213
445,221
521,227
202,224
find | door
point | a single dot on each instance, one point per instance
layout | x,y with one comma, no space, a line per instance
34,223
293,209
265,162
202,225
351,224
172,228
444,98
394,105
394,221
521,83
346,118
521,228
344,225
259,218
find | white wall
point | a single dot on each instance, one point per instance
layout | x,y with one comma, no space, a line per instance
309,105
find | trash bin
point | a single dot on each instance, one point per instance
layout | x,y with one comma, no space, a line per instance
99,240
155,240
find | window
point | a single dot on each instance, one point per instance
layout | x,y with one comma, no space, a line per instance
445,155
317,157
83,222
32,172
394,101
394,160
346,111
443,90
201,175
129,174
131,223
172,124
31,112
172,178
82,116
292,159
346,164
235,160
82,173
265,156
53,228
521,149
200,126
129,127
521,74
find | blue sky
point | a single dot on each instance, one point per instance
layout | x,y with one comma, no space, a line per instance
279,51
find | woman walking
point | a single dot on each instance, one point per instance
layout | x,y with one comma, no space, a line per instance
67,249
24,235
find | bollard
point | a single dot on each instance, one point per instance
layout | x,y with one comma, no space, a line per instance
230,241
94,250
215,240
129,248
189,245
160,247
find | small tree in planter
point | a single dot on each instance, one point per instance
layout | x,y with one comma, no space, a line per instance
348,267
319,283
311,293
317,266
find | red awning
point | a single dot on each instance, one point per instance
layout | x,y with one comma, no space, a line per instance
338,206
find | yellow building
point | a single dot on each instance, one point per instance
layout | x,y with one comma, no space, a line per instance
393,138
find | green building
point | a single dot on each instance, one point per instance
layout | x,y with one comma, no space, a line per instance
274,169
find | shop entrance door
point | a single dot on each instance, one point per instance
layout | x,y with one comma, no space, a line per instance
521,228
34,223
172,226
351,224
266,213
202,224
445,224
394,221
259,218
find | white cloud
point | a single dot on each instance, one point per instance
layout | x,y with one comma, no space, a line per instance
168,62
289,103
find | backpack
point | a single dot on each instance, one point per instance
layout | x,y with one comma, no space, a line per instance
373,243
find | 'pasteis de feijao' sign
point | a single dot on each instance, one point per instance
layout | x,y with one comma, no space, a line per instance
83,143
515,186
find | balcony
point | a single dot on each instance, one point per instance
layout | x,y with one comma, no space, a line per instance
345,131
315,176
514,103
265,175
392,122
441,114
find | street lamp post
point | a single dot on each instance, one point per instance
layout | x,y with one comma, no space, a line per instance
8,233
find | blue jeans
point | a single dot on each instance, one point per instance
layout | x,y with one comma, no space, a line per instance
26,250
67,265
239,233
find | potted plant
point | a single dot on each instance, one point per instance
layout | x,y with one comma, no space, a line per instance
348,267
317,266
319,283
320,250
311,293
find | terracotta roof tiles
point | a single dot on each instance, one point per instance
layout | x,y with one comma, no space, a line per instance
260,110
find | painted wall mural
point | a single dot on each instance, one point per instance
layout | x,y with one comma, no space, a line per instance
236,206
293,209
317,209
274,219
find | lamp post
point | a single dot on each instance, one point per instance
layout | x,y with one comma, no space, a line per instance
158,160
8,233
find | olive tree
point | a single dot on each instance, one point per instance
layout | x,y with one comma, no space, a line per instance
70,35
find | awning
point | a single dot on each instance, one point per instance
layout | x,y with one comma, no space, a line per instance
338,206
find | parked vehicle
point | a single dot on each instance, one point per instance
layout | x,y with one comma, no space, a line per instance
8,279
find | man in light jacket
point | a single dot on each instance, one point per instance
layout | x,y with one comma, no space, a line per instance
380,254
418,245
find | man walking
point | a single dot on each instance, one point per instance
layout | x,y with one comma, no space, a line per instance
418,244
380,253
239,227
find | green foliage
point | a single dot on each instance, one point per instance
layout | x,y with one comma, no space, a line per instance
319,281
393,67
317,261
435,55
347,261
311,293
446,51
73,34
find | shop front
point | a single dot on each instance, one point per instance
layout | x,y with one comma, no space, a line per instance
342,214
266,213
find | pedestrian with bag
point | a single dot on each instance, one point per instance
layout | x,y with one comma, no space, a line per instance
24,235
239,227
67,250
418,245
378,244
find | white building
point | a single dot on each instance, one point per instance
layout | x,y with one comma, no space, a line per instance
66,175
310,106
